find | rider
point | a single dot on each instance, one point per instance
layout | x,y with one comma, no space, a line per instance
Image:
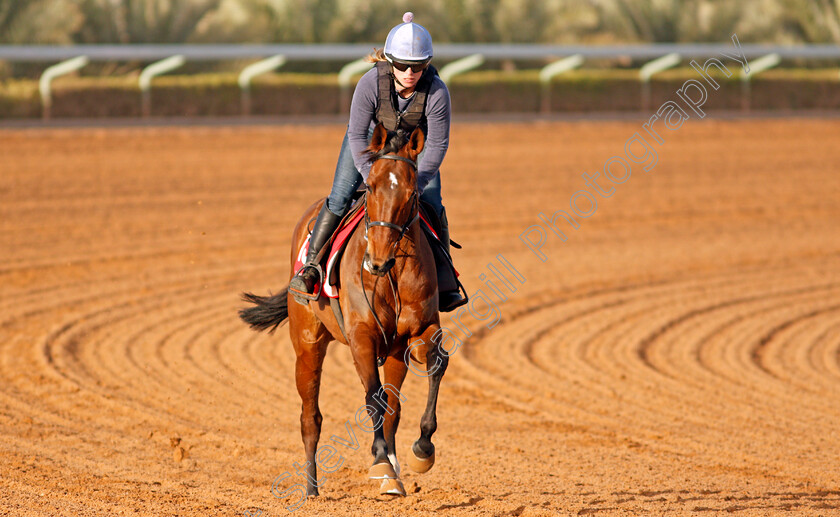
402,92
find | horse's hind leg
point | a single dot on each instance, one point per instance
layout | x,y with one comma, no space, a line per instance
310,339
423,451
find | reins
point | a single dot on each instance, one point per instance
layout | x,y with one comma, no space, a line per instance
380,358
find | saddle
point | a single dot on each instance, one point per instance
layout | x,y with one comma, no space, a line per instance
332,252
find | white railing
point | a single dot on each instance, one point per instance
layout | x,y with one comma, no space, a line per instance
465,56
329,52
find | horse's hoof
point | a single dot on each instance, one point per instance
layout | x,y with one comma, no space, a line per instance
392,487
420,465
382,470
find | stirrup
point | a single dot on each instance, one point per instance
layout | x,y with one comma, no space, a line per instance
452,305
301,296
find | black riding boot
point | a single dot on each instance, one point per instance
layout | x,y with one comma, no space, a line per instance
449,292
303,284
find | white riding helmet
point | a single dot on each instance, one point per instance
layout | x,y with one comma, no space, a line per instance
408,42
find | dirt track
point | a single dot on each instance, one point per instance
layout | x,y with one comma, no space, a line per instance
679,354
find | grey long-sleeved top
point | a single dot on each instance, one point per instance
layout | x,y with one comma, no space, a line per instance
362,113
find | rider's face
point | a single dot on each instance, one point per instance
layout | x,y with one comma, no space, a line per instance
407,78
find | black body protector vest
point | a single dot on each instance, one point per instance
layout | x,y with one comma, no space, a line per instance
388,114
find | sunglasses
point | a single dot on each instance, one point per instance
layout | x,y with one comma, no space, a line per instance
402,67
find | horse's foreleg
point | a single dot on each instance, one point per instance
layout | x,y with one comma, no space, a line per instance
395,371
364,357
423,451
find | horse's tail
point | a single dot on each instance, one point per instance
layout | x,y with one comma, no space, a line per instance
269,311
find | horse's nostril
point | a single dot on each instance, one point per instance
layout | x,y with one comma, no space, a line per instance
378,270
374,268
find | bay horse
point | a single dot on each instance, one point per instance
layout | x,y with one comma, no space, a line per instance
388,287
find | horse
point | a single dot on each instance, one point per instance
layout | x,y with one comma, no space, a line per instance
388,292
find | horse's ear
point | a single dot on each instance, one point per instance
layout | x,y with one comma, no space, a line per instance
377,141
416,143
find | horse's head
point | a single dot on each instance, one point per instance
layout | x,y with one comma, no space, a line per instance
392,198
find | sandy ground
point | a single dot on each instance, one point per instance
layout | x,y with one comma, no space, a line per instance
679,354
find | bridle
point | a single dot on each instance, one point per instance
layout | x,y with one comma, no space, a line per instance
380,359
401,229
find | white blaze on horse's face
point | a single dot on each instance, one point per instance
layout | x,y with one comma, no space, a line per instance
389,201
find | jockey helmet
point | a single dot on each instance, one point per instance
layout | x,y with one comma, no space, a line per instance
408,42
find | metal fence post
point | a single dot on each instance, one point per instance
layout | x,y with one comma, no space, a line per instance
154,70
345,76
45,84
251,71
759,65
556,68
460,66
654,67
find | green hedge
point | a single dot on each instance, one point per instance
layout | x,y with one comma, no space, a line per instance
620,90
476,92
